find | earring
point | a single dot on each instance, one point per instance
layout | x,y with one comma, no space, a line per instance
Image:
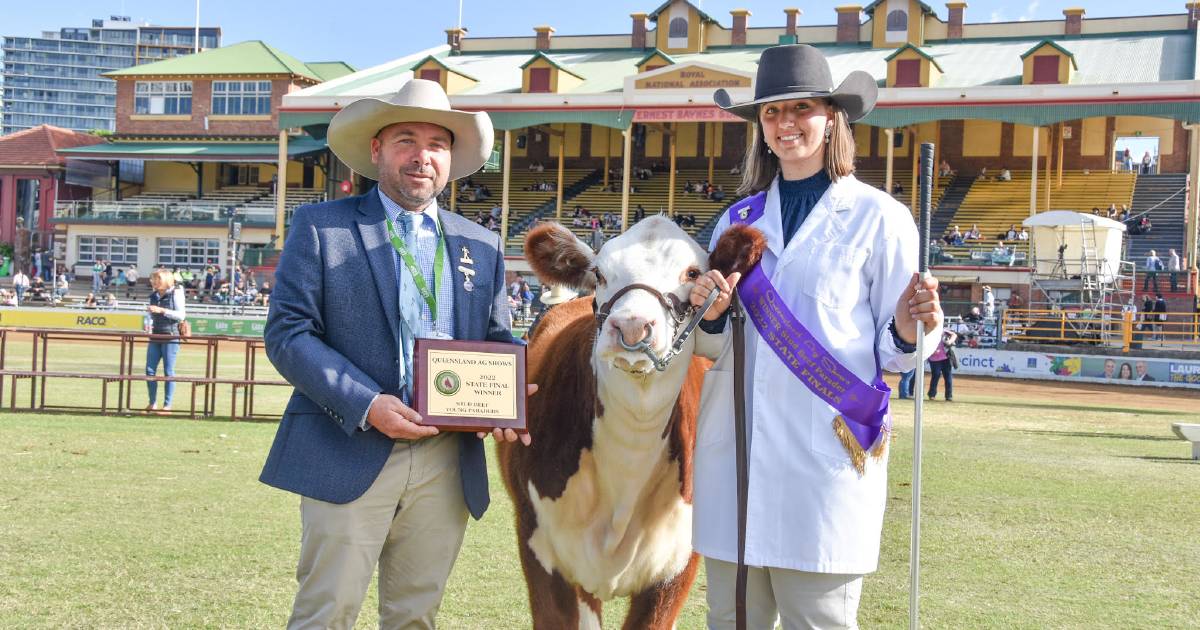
769,151
828,133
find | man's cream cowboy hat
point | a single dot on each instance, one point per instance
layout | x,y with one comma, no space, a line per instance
351,129
556,295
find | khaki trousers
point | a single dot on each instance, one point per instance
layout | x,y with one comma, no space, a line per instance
801,600
410,523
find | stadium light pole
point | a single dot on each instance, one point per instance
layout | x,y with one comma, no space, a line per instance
196,40
914,567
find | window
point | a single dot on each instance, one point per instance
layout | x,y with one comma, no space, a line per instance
650,67
678,27
539,80
241,98
908,73
897,21
188,252
119,250
433,74
1045,69
162,97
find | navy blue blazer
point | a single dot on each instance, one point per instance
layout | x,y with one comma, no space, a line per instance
332,332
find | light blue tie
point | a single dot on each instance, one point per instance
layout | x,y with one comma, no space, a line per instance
410,307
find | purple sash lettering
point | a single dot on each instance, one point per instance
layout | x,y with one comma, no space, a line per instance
863,406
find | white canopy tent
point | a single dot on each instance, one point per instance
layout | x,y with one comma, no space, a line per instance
1092,244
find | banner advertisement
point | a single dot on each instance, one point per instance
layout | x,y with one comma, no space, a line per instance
69,319
61,319
1125,370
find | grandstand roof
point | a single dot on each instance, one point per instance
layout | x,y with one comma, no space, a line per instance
195,150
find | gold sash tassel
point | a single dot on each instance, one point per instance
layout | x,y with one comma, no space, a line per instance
858,456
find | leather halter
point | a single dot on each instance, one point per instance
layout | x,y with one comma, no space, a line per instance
675,308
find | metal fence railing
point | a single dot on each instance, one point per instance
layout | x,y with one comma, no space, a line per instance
1124,330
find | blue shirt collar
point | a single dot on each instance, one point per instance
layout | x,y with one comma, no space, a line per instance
394,209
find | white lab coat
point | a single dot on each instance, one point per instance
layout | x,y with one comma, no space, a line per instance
808,509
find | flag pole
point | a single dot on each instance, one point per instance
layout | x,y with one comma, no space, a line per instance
914,569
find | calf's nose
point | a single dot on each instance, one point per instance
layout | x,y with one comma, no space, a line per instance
633,329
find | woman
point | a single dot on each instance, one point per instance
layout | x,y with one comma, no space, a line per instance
166,310
842,256
940,366
1126,373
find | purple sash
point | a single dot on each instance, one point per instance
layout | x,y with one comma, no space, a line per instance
863,406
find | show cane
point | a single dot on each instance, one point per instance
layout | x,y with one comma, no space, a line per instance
738,319
914,569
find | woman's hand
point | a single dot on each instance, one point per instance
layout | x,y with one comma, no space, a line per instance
919,301
705,284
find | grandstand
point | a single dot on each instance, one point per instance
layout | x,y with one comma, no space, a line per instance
995,205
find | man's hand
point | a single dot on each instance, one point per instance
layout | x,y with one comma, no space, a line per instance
918,302
705,284
396,420
508,435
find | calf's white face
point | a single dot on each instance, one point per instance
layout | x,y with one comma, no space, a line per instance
657,253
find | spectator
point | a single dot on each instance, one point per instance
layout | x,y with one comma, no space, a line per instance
940,366
7,299
131,277
906,384
1174,266
166,310
97,275
37,289
982,174
718,194
1127,159
1015,300
597,238
897,189
945,170
1153,265
20,286
1146,162
973,234
264,294
61,287
110,301
989,302
108,273
90,301
1160,315
1004,176
639,214
1148,317
1023,235
497,212
937,254
1012,233
954,237
736,170
1002,255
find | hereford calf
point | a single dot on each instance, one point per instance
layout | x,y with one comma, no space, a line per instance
603,496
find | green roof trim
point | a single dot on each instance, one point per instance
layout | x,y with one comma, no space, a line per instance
656,53
918,51
245,58
1034,114
1048,42
330,70
442,63
195,151
615,118
653,15
541,55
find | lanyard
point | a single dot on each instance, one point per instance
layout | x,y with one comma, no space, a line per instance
439,257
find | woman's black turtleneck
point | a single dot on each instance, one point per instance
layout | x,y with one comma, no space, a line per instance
797,198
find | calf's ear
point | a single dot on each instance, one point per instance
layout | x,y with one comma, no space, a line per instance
557,256
739,249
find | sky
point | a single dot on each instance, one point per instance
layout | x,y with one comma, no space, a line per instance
369,32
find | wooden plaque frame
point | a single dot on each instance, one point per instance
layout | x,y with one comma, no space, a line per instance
422,378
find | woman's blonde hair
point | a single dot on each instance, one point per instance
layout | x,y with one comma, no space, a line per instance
164,276
761,166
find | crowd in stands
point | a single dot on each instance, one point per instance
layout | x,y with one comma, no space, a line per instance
107,281
705,189
955,237
473,192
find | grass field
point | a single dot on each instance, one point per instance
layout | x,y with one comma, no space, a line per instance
1044,507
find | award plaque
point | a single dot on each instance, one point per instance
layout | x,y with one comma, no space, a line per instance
469,385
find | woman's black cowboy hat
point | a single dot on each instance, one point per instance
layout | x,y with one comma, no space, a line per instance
801,71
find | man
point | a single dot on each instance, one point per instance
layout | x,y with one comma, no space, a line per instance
379,487
1174,265
1110,368
1143,373
1153,266
20,286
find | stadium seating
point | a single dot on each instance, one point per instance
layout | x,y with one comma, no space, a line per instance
995,205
